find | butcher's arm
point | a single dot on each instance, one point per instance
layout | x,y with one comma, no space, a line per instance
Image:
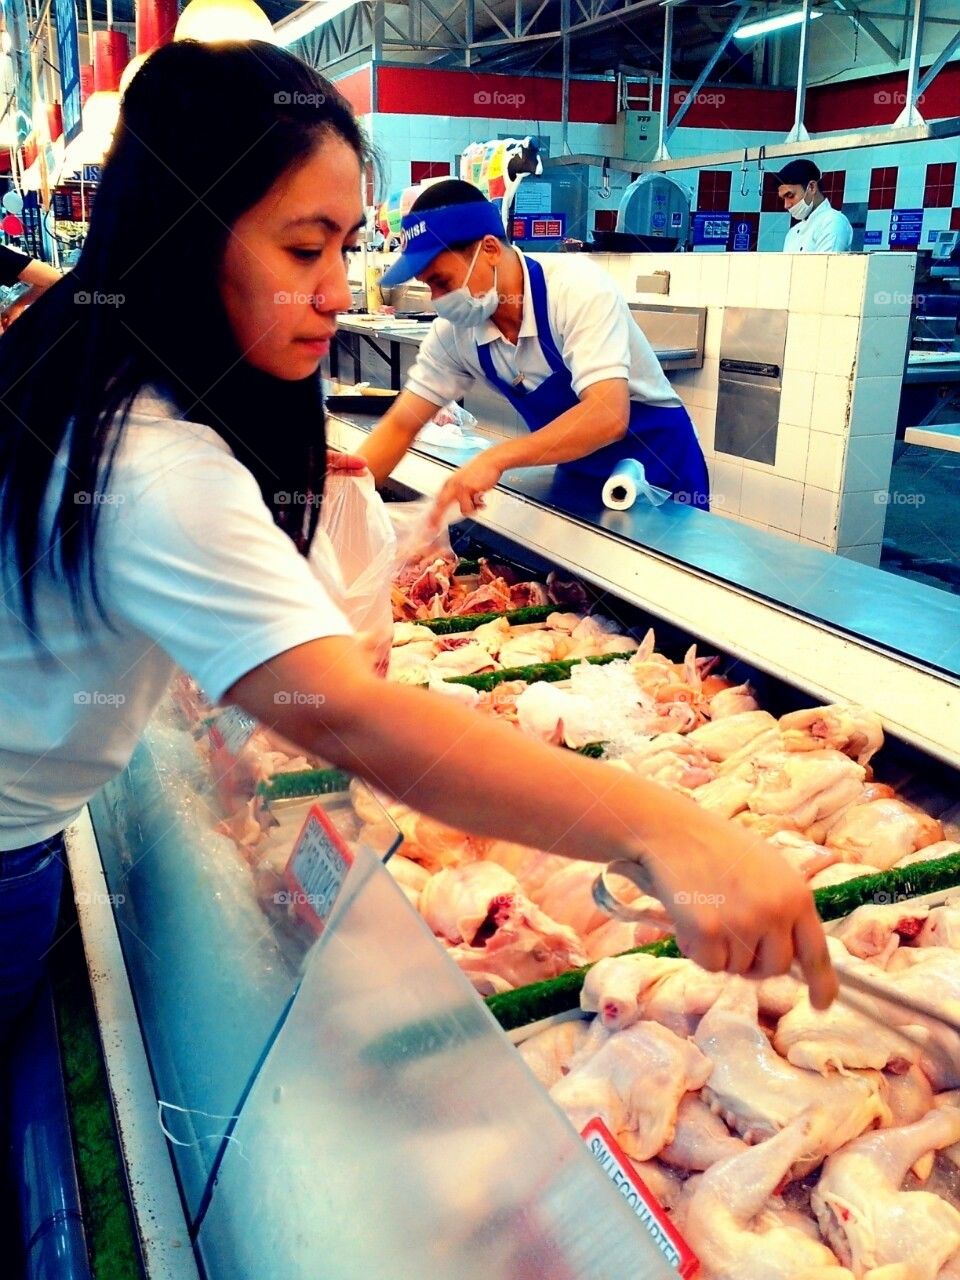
395,433
735,902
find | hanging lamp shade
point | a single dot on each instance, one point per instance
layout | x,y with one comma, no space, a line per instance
101,112
130,70
213,21
111,53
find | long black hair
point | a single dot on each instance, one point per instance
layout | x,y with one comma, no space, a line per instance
204,133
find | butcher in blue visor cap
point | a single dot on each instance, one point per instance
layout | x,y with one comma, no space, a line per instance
555,338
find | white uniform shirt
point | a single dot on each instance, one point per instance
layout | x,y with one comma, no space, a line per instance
825,230
193,571
592,326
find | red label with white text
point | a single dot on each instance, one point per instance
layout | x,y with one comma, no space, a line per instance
317,869
615,1164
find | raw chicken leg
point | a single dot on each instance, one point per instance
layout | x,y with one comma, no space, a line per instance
841,1039
676,993
942,927
701,1138
807,787
874,932
758,1093
730,1229
634,1083
869,1221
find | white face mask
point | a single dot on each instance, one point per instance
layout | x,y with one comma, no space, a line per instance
464,309
801,209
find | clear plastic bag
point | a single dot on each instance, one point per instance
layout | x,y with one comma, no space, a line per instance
354,519
417,537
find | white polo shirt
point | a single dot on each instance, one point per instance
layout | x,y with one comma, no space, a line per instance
193,571
825,230
592,326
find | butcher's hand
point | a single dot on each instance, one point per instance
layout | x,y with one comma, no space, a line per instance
345,462
466,488
737,904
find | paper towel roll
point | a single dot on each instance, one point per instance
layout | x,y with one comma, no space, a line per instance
628,482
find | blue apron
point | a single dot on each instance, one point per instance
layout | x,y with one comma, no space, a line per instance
662,437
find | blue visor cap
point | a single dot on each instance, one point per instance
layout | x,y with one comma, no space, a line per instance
426,235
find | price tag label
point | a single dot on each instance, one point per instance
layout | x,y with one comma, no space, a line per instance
232,730
317,869
606,1150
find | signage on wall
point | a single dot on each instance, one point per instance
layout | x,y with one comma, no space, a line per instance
547,226
741,237
906,227
69,54
711,228
874,236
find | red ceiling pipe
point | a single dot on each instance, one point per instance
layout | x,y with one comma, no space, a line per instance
111,53
156,20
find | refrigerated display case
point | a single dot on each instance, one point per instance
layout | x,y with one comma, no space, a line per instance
300,1086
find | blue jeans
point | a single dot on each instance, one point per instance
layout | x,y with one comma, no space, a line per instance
30,882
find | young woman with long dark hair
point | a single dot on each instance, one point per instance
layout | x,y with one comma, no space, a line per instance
155,406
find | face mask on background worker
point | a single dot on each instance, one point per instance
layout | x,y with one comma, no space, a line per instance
465,309
802,207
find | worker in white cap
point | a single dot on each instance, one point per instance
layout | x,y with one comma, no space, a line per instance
817,226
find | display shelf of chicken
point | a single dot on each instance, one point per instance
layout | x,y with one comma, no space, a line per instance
836,1162
432,588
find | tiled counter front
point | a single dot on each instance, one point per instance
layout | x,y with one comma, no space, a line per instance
847,334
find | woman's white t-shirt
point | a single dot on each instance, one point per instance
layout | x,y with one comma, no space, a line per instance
193,572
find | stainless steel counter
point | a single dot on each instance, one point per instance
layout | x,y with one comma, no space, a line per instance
837,629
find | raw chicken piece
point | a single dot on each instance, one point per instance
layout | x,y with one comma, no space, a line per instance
665,1186
909,1096
567,897
529,649
410,632
489,597
758,1093
806,786
525,946
409,875
634,1083
617,644
594,628
874,932
617,936
672,760
567,622
722,738
466,660
883,832
766,825
525,594
840,1038
941,849
461,693
803,855
566,592
676,993
732,702
728,1224
532,867
410,663
840,873
856,732
942,926
724,796
431,843
456,902
548,1054
700,1139
865,1216
242,826
492,635
556,715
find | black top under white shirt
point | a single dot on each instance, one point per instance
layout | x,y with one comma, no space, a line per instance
13,263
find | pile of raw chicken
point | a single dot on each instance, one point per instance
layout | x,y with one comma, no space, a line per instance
785,1143
510,915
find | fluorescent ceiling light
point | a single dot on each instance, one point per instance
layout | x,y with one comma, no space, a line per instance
308,17
764,25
